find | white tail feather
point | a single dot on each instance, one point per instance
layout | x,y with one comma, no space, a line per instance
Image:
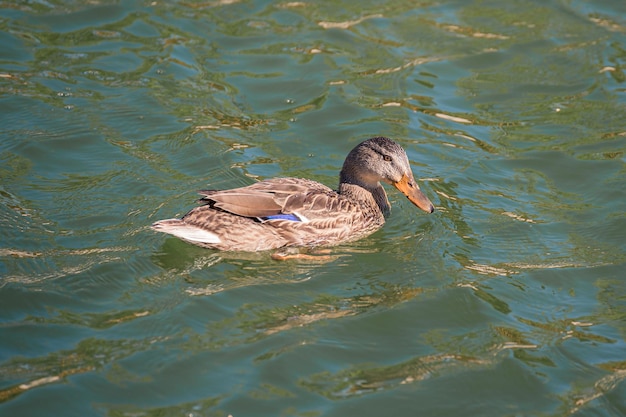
186,231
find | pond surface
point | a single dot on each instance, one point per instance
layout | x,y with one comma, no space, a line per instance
509,300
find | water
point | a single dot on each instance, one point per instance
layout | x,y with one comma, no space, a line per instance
508,301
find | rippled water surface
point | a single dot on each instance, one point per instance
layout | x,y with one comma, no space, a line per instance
509,300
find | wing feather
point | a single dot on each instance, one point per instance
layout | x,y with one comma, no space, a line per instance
268,198
247,204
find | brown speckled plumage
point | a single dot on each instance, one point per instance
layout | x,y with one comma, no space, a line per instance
240,219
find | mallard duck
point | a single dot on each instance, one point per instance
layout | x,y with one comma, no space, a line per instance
295,212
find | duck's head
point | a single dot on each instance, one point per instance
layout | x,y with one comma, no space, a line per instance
381,159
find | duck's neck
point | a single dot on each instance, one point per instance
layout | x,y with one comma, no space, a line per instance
360,190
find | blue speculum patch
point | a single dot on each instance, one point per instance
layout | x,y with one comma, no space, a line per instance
291,217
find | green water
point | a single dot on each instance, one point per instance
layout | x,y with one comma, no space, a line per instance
509,300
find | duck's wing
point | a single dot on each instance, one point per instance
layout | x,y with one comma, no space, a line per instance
268,199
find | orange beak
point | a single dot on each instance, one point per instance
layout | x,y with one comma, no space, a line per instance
409,188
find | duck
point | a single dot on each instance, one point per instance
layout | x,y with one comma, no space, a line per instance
296,212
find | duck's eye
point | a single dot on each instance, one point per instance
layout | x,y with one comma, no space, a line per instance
386,157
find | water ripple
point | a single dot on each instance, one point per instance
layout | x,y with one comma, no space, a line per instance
509,295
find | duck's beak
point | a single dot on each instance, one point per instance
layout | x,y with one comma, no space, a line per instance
409,188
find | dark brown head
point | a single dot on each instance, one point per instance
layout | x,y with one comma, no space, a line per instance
381,159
